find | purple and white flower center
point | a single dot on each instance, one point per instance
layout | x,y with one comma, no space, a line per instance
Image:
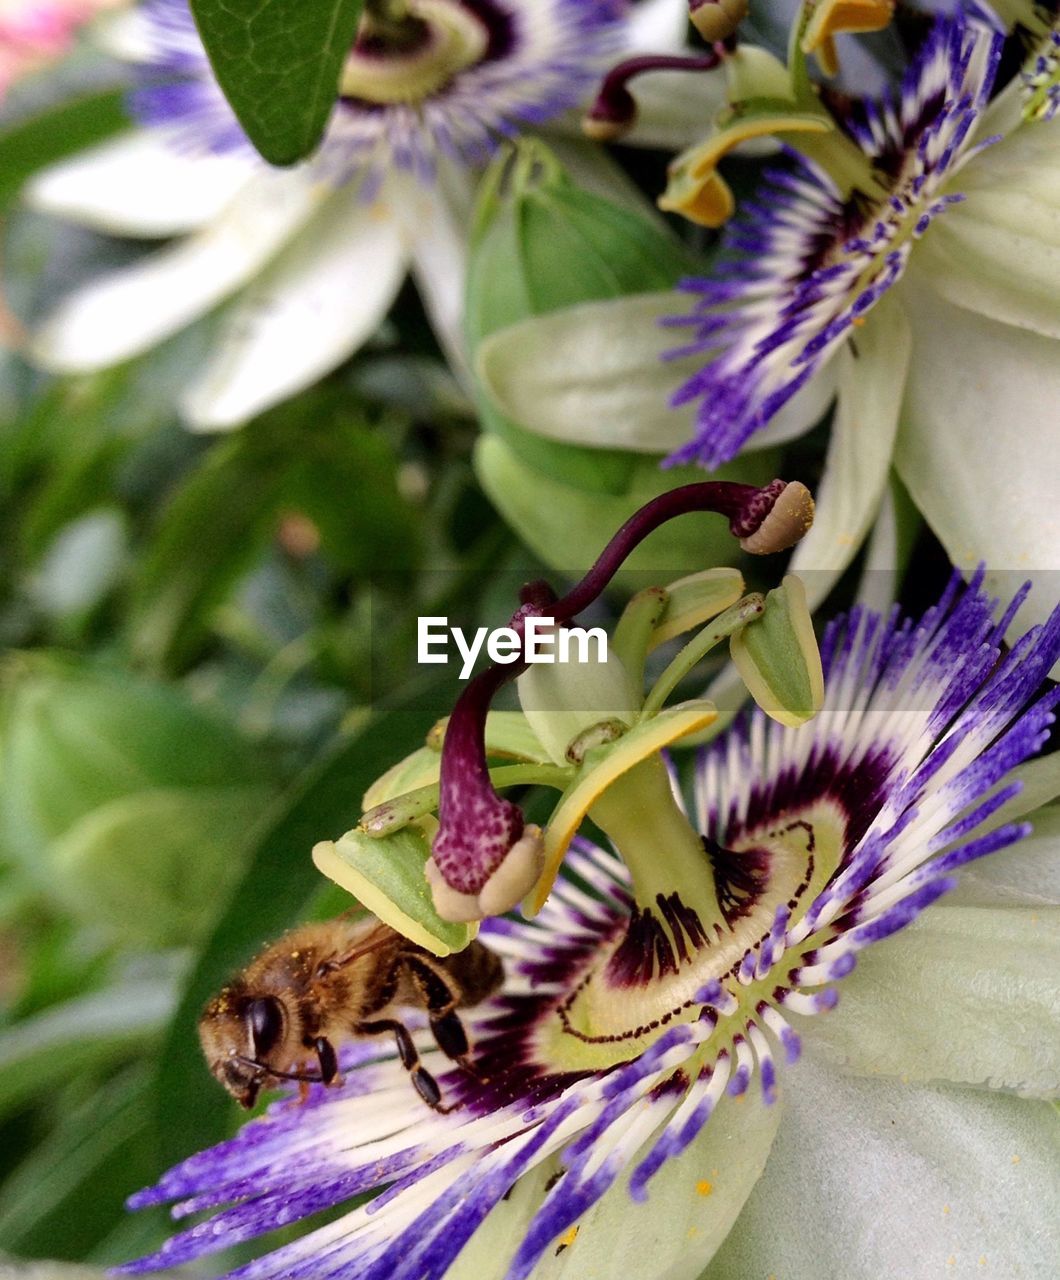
650,970
446,36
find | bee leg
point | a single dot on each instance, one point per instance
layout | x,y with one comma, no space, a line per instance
440,1002
422,1080
329,1065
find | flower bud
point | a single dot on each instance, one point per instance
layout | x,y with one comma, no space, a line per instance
540,244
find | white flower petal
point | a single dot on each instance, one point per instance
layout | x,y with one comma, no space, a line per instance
309,310
438,222
658,26
874,1180
594,375
998,253
130,310
978,432
140,185
692,1203
126,34
1026,874
965,994
879,582
872,371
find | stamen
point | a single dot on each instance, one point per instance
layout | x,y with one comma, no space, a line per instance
479,831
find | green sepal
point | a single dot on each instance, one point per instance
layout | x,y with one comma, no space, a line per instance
541,243
778,659
386,875
530,500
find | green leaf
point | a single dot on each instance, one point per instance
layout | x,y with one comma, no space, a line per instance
315,458
278,62
78,1037
55,133
68,1193
276,891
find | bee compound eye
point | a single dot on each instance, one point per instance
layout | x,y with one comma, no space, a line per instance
265,1019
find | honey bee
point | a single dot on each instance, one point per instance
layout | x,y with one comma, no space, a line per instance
323,984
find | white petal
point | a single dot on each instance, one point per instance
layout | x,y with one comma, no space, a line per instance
130,310
976,445
658,26
879,582
873,1180
692,1203
438,237
140,185
872,372
594,374
128,34
965,994
307,312
1027,874
998,253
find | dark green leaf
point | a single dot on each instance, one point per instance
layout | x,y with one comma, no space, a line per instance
279,887
278,62
60,131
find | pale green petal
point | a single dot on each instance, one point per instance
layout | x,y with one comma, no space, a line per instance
998,253
691,1206
675,109
875,1180
965,994
1026,874
974,448
872,372
594,374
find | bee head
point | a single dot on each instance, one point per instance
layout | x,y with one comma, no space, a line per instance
242,1037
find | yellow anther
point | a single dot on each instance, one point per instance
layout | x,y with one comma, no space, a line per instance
833,18
697,191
